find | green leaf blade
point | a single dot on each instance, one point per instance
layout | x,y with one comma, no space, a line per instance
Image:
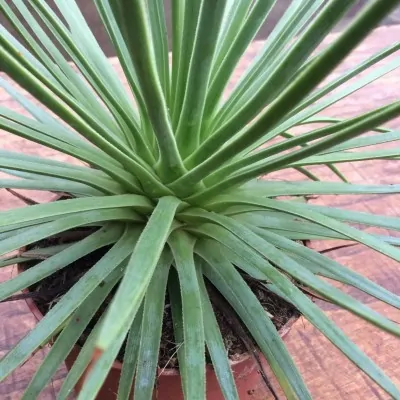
153,313
140,269
193,352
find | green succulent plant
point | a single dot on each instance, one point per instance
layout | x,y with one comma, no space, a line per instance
170,177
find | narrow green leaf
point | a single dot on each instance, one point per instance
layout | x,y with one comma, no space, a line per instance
80,364
174,293
365,141
234,16
7,261
341,157
295,92
283,222
79,42
188,131
360,124
286,69
153,313
40,133
193,348
284,288
296,228
35,213
215,344
43,231
104,185
146,138
103,363
383,221
86,48
297,14
103,237
139,272
66,340
133,20
320,219
226,62
294,235
13,231
303,275
351,128
160,42
319,264
185,19
100,370
130,358
56,98
54,62
107,268
266,188
307,173
232,286
269,87
288,265
304,115
50,184
67,108
46,252
48,162
20,174
42,116
335,83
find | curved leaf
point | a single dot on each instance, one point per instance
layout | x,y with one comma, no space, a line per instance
139,271
229,282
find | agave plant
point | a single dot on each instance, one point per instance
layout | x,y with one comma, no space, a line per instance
169,175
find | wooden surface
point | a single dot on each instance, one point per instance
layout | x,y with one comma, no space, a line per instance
328,374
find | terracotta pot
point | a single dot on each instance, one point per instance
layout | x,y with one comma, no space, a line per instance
249,382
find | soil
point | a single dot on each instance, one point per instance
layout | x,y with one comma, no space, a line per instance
49,291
